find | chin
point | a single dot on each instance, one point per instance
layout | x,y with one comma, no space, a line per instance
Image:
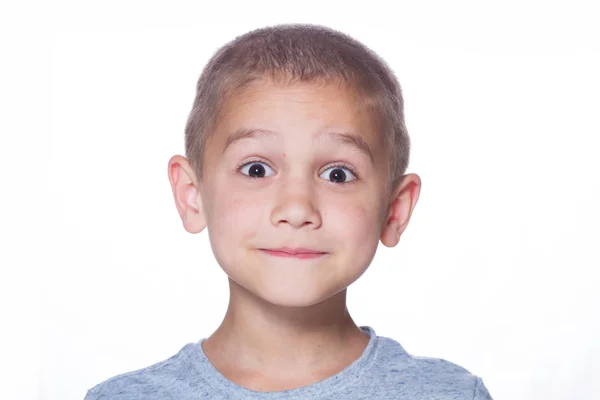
286,282
295,296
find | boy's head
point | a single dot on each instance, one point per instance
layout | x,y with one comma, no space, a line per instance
292,54
296,140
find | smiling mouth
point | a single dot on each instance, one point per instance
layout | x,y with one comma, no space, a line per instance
294,253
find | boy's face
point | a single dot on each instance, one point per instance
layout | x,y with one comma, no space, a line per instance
299,183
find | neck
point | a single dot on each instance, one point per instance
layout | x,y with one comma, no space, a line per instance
259,336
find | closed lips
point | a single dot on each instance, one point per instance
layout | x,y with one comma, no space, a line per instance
296,251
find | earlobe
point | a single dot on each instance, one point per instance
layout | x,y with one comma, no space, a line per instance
390,235
186,194
402,205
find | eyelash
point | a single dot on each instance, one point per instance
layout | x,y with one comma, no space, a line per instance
338,165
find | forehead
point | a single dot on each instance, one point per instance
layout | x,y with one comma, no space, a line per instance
305,109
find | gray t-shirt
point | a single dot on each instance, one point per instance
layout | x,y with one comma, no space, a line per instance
383,371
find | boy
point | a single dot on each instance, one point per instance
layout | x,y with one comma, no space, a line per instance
296,152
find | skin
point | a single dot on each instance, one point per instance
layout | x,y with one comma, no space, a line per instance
287,324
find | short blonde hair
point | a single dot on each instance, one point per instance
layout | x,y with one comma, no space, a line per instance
299,53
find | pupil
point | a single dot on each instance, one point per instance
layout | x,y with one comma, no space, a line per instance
337,174
258,169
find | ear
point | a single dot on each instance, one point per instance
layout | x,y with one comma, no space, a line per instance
403,201
186,192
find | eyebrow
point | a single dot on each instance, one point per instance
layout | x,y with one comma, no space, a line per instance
347,138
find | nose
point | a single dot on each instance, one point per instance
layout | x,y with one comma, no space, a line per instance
296,206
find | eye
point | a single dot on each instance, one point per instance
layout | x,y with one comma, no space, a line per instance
255,169
337,174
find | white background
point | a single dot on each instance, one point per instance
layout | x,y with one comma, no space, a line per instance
497,271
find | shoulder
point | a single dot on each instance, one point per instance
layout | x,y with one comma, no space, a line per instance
168,379
425,376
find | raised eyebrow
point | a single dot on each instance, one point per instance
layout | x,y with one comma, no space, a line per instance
347,138
351,139
244,133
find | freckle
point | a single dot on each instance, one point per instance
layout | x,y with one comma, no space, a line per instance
283,154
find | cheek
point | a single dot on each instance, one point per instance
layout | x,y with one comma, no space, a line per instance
235,215
234,223
355,225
